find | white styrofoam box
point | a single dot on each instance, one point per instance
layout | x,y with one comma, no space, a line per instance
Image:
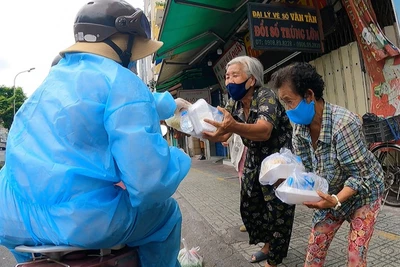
290,195
199,111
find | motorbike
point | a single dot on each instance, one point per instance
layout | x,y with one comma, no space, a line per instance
68,256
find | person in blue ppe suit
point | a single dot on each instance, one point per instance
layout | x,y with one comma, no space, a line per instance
91,124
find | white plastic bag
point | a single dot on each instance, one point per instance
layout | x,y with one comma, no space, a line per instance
236,148
301,187
201,110
279,166
189,258
175,121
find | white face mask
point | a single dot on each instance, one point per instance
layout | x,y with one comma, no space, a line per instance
132,66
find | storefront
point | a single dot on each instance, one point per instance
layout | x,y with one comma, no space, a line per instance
280,32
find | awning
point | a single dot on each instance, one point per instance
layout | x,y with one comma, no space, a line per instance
190,24
176,64
179,77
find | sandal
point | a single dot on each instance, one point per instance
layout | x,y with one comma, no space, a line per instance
259,256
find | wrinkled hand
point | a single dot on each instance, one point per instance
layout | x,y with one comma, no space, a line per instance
223,127
326,202
181,104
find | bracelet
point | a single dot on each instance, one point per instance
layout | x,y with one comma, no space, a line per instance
338,204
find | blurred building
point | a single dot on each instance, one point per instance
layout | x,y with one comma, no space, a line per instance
147,69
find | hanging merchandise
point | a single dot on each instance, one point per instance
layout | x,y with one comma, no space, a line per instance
381,58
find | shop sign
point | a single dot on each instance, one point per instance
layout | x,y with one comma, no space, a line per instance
284,28
235,50
192,95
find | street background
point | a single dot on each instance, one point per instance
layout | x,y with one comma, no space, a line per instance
209,200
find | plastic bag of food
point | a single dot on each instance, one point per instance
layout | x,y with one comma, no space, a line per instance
175,121
189,258
279,166
301,187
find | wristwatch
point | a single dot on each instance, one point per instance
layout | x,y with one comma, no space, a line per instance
338,204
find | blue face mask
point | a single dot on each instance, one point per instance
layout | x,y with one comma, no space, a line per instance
237,91
132,66
303,114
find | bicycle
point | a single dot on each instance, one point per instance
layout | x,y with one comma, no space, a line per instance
383,135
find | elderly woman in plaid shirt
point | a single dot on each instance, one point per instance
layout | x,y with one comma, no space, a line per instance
330,142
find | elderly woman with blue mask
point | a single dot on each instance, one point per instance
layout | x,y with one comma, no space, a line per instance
330,142
254,113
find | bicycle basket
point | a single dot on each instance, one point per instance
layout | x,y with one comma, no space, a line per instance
383,130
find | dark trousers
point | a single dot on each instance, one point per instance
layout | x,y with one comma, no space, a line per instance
267,222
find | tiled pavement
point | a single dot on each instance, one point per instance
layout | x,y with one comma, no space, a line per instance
213,191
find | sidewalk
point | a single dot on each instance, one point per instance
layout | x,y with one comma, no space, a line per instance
209,199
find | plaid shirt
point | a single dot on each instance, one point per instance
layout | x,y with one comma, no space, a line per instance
342,157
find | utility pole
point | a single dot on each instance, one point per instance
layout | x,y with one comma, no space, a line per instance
31,69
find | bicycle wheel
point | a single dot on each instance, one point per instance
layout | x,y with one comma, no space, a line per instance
388,156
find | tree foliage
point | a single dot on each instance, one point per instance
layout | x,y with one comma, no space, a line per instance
7,103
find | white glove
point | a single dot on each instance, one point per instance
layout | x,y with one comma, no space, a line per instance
181,104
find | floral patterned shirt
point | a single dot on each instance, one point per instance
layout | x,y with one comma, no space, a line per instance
342,157
264,106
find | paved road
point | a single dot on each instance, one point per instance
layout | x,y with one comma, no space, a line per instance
6,258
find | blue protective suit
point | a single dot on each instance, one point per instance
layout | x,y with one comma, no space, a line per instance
91,124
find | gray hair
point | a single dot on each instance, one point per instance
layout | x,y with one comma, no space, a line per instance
252,66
